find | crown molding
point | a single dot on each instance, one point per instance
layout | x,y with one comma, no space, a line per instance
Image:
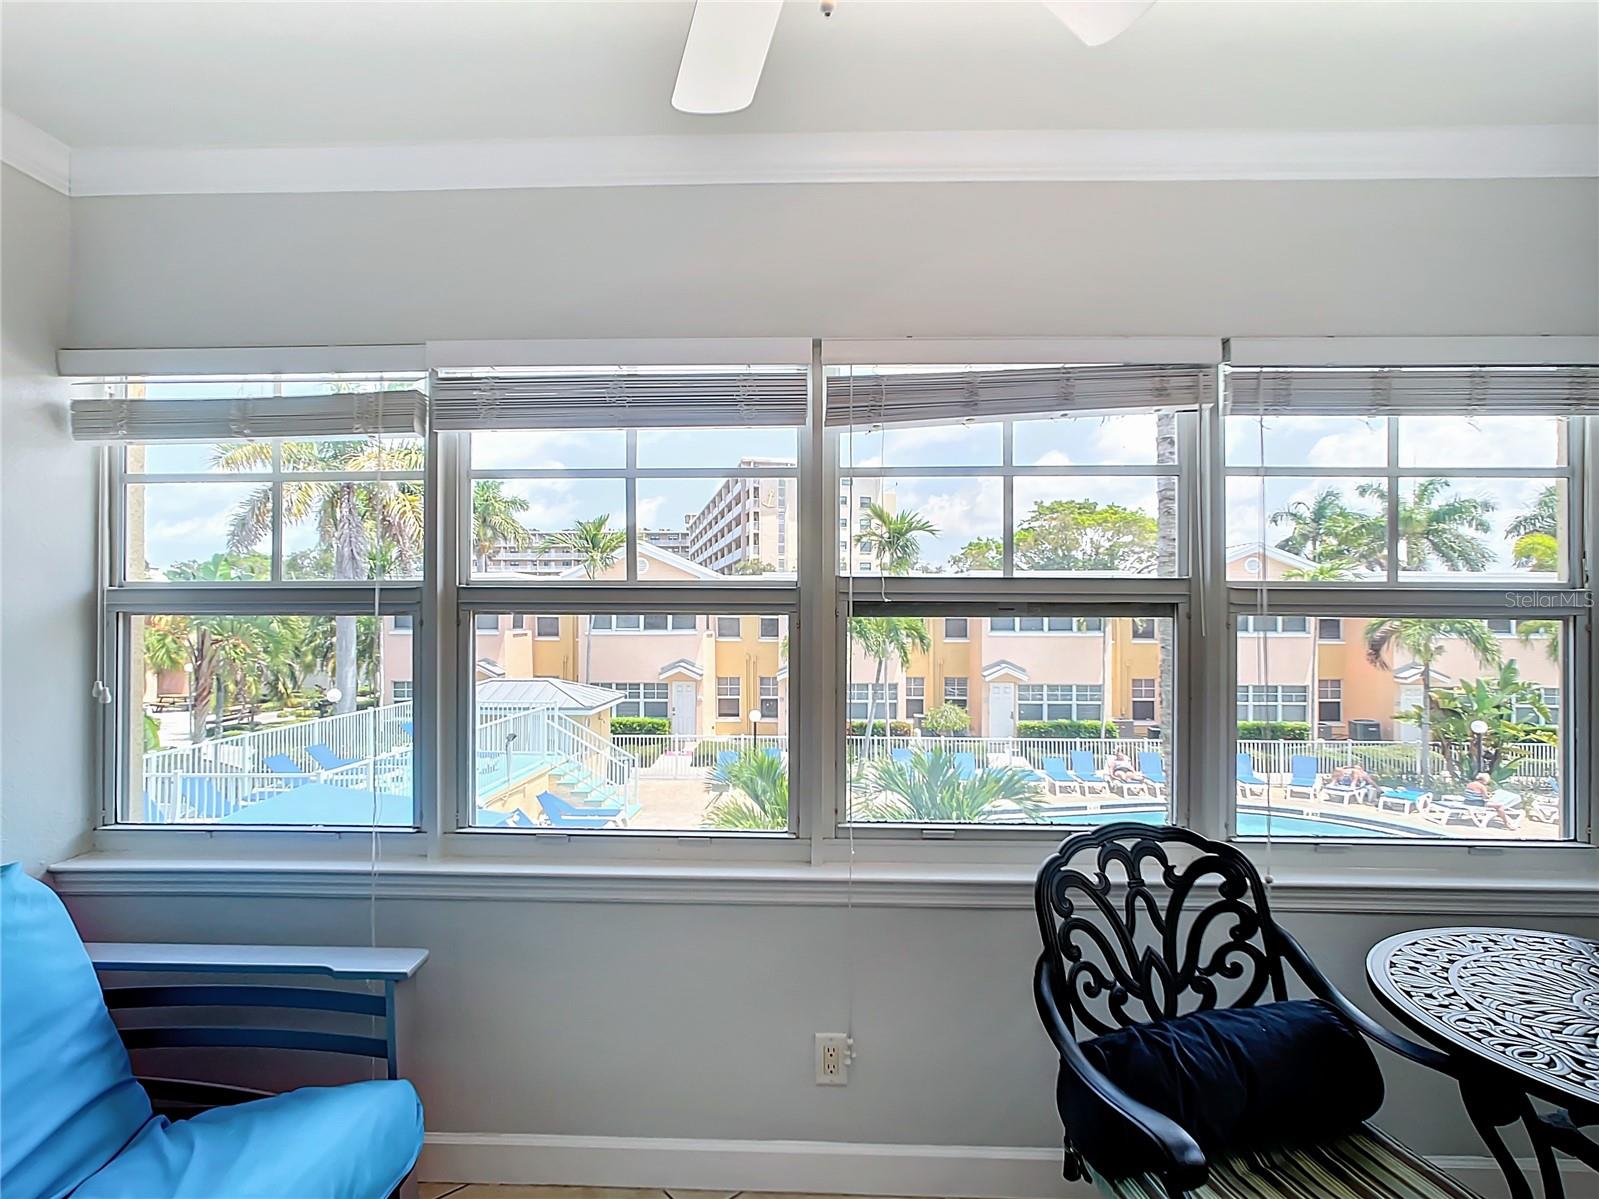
34,152
994,156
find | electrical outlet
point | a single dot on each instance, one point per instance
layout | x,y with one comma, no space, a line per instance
833,1053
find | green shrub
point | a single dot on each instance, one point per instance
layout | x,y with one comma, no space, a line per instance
641,725
947,720
1064,728
896,728
1273,730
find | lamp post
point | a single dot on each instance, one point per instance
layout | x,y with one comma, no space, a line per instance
1478,728
753,715
330,697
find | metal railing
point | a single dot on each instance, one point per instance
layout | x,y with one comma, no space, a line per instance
350,735
678,756
544,730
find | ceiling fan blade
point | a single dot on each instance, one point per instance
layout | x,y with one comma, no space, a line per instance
724,55
1096,22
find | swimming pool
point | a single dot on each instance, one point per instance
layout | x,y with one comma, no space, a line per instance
1252,823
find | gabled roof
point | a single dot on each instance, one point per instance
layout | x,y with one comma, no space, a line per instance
1410,672
655,553
1003,666
682,666
560,694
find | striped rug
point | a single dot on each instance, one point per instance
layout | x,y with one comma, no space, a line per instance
1363,1165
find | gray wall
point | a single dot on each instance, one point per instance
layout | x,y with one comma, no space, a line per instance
46,544
936,259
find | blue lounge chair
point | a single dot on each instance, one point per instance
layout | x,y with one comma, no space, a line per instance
901,756
324,757
966,764
1404,799
562,814
1248,780
1057,774
1302,778
725,759
1152,767
201,798
1085,770
407,728
773,751
285,765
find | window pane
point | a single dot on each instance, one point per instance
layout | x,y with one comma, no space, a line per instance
1360,770
316,546
549,528
268,720
1029,726
1110,440
1506,528
550,449
199,532
1461,441
706,528
927,526
193,458
631,721
1307,441
717,447
1095,525
1324,530
930,445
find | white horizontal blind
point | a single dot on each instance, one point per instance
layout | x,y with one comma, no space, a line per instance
619,397
1548,390
887,395
148,409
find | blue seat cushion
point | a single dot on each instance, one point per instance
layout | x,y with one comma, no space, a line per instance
1234,1079
68,1098
351,1142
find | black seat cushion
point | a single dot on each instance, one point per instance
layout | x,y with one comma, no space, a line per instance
1234,1079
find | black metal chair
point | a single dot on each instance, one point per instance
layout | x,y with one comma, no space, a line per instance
1139,934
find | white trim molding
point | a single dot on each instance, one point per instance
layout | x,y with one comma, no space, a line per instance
803,885
985,156
819,1167
34,152
1547,350
241,360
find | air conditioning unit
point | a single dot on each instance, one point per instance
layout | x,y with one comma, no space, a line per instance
1365,730
1329,730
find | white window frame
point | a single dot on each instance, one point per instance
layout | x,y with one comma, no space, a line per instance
729,689
1135,698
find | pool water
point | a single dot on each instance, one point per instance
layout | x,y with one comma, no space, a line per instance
1253,824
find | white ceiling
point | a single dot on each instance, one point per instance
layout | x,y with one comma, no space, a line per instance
255,74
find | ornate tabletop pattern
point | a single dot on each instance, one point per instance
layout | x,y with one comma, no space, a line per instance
1526,1001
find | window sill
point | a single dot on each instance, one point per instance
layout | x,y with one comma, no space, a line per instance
1353,890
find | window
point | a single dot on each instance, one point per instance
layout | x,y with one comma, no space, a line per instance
402,622
768,684
1330,701
487,622
1144,700
1042,624
516,621
1059,701
955,690
955,628
770,628
653,622
400,690
1273,702
547,627
1143,628
915,697
642,699
1329,629
1252,623
727,628
874,701
1526,709
727,698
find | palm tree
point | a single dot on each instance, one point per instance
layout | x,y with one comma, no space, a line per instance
893,537
882,638
1315,522
1425,641
596,547
1434,525
1543,517
930,788
354,517
495,522
751,793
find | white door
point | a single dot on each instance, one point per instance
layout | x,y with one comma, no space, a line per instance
683,709
1409,701
1002,709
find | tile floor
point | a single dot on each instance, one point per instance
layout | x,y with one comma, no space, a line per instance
483,1190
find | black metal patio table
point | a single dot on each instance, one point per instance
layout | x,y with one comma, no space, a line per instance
1518,1012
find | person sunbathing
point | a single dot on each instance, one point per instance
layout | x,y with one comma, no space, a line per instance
1352,777
1120,769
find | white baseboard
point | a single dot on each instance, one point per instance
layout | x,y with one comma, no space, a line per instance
816,1167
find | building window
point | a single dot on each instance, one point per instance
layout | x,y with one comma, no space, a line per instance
727,698
727,628
1143,628
955,690
874,701
915,697
1144,700
1059,701
771,628
401,690
955,628
547,627
1273,702
1254,623
649,622
1526,713
1330,701
402,622
486,622
1045,624
768,684
643,699
1329,628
